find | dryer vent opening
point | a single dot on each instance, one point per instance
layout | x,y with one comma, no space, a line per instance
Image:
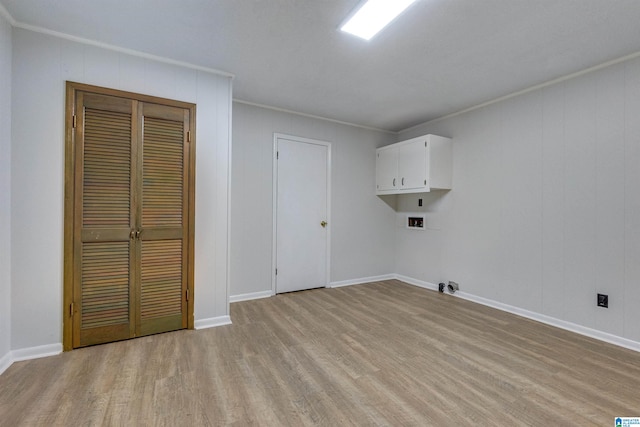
452,287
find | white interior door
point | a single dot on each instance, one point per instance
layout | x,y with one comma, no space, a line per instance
302,223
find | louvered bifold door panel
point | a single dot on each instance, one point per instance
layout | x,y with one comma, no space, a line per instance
163,172
163,270
161,298
103,207
104,310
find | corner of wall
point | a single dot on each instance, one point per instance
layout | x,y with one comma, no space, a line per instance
4,14
6,64
28,354
5,362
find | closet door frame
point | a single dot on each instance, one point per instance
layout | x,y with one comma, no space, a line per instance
69,309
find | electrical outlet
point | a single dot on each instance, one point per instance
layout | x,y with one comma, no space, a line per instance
603,300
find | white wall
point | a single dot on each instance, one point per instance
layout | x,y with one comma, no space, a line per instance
5,189
41,65
545,207
361,224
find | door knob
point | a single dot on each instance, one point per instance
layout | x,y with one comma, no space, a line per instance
323,224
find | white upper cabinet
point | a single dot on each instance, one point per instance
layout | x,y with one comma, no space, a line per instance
386,169
417,165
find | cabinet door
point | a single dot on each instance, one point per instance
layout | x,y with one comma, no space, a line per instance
387,169
412,165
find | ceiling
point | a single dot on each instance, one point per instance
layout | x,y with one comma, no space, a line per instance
439,57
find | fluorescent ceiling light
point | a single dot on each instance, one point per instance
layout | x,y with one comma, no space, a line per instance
373,16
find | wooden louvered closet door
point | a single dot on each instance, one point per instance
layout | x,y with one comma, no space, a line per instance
132,219
103,208
164,236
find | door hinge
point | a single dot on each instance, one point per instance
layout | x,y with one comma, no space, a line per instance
188,136
187,294
277,155
276,271
71,310
74,121
425,144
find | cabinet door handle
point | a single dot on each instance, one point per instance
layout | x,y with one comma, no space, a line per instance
394,182
402,181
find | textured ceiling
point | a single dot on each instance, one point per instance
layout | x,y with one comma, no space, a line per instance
439,57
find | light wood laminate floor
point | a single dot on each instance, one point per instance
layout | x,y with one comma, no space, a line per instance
384,353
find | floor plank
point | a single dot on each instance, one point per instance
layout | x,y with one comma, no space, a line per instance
384,353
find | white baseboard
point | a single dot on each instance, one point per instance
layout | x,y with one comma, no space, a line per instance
552,321
361,281
212,322
416,282
250,296
269,293
542,318
36,352
29,353
5,362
